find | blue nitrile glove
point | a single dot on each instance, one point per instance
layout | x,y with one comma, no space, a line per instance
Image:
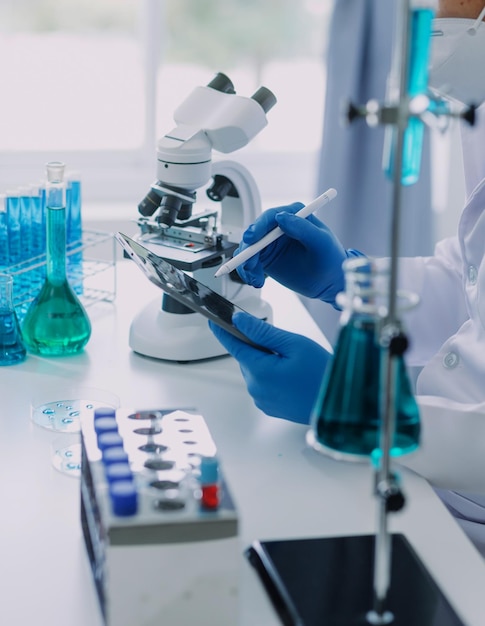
283,384
307,259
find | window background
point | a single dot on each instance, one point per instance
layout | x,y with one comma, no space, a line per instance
95,83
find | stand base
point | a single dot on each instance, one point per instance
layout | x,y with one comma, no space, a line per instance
329,582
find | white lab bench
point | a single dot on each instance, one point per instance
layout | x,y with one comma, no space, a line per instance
282,488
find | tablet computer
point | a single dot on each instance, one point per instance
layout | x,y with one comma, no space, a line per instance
184,288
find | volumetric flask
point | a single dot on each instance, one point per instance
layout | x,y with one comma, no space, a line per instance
12,348
346,418
56,323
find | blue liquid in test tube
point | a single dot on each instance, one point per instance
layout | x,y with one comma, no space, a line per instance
25,222
419,49
13,219
37,203
74,231
4,255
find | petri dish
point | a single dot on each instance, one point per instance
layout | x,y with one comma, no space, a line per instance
66,455
61,407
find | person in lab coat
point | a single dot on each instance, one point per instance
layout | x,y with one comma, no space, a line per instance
447,329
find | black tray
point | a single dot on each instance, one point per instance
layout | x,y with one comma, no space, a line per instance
329,582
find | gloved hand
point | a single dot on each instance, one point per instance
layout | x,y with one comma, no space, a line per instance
283,384
307,258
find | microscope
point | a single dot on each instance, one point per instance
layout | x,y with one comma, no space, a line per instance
212,117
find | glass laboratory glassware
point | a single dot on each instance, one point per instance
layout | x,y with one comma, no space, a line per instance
421,18
4,258
12,347
74,232
56,322
13,226
346,420
59,407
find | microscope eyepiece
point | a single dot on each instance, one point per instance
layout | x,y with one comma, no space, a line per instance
265,98
221,82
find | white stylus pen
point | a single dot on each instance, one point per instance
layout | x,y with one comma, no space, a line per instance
273,235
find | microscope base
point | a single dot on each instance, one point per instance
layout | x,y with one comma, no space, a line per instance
182,337
330,581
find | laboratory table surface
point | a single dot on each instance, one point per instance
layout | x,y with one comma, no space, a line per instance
282,488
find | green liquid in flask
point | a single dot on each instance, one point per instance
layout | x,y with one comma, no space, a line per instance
56,322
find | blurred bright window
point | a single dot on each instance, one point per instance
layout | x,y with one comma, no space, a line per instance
95,82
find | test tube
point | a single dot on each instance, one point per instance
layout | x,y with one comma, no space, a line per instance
74,231
4,255
38,233
421,17
13,226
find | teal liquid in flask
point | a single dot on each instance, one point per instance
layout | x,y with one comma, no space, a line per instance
56,323
346,418
12,347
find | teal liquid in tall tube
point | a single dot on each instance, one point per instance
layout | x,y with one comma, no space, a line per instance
346,419
419,49
56,322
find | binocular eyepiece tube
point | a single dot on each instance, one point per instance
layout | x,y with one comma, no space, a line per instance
263,96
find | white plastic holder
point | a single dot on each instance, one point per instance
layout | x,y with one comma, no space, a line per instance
183,337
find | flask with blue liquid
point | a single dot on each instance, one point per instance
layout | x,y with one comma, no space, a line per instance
56,322
346,419
12,347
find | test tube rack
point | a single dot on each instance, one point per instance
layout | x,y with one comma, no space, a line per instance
91,271
159,553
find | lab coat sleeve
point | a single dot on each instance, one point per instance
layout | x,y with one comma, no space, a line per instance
451,454
442,309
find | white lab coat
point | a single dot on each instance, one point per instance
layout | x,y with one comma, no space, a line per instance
447,332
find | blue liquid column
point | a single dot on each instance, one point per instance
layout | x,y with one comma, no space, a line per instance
4,255
26,275
419,49
14,243
37,202
74,231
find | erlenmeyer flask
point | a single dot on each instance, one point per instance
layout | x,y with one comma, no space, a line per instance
56,322
346,418
12,348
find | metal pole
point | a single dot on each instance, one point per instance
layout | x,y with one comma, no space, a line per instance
385,482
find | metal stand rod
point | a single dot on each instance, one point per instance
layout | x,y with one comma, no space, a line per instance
385,479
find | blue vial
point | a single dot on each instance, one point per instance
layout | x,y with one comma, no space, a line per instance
109,439
118,471
105,425
104,411
124,498
114,454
